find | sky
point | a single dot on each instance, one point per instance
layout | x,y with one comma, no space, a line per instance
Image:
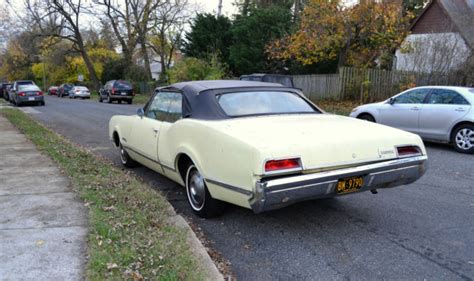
210,6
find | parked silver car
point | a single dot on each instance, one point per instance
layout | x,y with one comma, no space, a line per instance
436,113
79,92
27,94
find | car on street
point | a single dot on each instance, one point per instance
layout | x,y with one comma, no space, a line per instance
436,113
4,90
117,90
285,80
64,89
53,90
261,146
27,94
14,88
79,92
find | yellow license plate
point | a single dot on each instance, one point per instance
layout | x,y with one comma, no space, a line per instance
349,185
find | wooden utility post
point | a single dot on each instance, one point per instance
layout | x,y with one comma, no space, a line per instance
219,9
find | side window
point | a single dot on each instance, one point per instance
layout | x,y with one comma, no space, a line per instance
413,96
442,96
165,106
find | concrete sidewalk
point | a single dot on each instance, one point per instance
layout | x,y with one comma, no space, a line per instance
43,225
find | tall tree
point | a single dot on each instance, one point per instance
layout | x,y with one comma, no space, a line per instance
209,34
61,18
250,35
363,35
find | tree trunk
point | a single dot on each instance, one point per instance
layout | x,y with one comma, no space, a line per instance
146,58
88,62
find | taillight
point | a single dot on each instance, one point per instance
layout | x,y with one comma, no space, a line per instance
282,165
409,150
21,94
39,93
113,91
77,91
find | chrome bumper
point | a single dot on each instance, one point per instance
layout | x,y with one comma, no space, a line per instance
277,193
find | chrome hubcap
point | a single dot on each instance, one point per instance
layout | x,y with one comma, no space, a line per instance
465,139
123,156
196,189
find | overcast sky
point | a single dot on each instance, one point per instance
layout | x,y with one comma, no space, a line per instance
210,6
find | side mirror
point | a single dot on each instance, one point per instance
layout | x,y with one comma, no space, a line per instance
391,101
141,112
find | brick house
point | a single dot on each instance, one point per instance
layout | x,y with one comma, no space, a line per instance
441,39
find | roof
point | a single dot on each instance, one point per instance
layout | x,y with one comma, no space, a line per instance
199,86
460,12
199,97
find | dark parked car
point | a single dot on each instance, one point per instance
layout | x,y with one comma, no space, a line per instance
285,80
27,94
63,90
116,90
53,90
3,90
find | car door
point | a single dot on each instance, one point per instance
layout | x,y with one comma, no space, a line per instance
146,130
403,111
443,109
166,152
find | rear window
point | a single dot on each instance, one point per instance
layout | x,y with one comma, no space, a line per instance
123,85
25,83
27,88
263,103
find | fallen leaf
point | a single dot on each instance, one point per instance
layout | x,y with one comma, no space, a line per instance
111,266
39,243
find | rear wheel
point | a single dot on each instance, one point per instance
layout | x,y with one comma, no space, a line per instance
198,195
126,160
463,139
119,101
130,101
366,117
109,100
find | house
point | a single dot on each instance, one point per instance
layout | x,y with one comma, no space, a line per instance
441,39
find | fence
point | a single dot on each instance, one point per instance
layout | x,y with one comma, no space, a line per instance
367,84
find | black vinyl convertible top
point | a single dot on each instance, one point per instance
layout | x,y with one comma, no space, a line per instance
199,97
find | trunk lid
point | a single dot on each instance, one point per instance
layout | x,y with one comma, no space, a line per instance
321,141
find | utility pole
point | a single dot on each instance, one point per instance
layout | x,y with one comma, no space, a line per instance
219,9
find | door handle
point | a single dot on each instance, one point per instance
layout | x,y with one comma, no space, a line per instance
155,130
416,108
460,109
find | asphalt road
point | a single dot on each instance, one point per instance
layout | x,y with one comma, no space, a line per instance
416,232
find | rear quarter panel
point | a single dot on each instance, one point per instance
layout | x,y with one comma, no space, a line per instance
122,125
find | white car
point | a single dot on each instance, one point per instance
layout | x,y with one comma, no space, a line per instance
79,92
436,113
261,146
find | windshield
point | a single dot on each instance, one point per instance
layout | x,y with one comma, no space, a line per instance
122,85
264,102
27,88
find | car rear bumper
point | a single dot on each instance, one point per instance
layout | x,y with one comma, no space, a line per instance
88,95
119,97
27,99
277,193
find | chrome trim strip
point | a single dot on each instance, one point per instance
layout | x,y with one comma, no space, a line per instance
304,186
230,187
152,160
357,169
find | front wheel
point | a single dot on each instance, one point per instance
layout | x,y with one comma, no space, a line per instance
463,139
366,117
126,160
198,195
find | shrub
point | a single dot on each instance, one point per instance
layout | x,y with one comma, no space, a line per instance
191,68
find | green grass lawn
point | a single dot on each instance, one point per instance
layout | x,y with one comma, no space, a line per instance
130,236
138,99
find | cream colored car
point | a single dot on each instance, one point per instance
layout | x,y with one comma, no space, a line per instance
261,146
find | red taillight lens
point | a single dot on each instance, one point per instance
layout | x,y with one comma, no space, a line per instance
404,151
77,91
113,91
39,93
21,94
284,164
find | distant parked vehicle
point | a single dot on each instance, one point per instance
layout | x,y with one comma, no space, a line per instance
6,93
436,113
3,90
79,92
63,90
27,94
285,80
117,90
14,88
53,90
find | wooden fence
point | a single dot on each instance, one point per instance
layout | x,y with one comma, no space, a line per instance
366,84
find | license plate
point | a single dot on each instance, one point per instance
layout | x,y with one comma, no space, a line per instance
349,185
124,94
31,99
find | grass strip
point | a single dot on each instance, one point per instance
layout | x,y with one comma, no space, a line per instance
130,236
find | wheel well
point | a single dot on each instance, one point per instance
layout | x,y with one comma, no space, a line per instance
116,139
183,162
457,126
365,113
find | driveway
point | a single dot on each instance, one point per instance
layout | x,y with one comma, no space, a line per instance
421,231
